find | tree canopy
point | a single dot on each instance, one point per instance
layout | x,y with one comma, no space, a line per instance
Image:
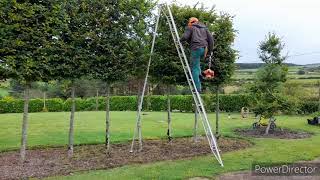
267,88
167,67
26,30
118,44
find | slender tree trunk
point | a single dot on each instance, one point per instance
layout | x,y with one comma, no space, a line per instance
195,127
97,100
25,123
71,127
139,118
44,101
107,143
268,127
169,114
217,111
149,98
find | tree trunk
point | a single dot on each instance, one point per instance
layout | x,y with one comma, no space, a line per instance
107,143
169,114
217,111
25,123
71,127
268,127
139,119
97,100
195,127
44,101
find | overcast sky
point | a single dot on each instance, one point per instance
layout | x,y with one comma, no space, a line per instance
296,21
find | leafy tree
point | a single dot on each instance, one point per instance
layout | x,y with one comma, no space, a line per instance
26,28
70,50
167,68
267,88
117,44
4,71
223,56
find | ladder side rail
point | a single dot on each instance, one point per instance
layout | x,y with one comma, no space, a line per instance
175,41
196,92
186,63
145,80
177,47
198,99
185,58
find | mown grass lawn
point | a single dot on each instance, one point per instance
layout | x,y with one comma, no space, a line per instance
47,129
3,92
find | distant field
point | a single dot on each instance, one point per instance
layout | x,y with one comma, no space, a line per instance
307,82
292,74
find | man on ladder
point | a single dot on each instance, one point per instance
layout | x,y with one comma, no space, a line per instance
201,44
200,39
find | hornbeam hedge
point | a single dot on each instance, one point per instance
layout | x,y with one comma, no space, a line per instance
183,103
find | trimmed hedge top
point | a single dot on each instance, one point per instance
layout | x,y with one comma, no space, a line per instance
183,103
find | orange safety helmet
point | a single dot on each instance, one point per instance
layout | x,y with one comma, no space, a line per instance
192,20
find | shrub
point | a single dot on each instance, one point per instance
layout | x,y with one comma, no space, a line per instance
11,105
159,103
183,103
308,107
35,105
123,103
55,105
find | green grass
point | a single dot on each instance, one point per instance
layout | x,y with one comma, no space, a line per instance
3,92
51,129
47,129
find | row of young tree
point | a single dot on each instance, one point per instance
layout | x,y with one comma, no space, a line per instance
99,39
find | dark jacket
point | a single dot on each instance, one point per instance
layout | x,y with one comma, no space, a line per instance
198,36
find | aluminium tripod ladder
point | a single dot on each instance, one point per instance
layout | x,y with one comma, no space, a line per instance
165,9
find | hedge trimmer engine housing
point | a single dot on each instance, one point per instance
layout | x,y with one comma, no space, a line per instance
208,74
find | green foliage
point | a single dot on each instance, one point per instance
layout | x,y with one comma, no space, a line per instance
307,107
26,30
183,103
271,49
224,55
167,68
267,90
138,43
55,105
106,43
69,43
316,114
232,103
